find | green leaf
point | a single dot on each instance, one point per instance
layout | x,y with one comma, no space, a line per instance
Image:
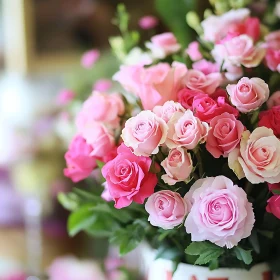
169,253
100,164
276,191
254,240
266,233
128,238
206,251
214,264
69,201
243,255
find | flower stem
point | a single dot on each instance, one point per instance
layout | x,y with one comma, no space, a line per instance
199,162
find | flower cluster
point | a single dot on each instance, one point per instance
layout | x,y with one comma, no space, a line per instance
200,148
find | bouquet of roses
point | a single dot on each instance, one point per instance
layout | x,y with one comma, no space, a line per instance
190,153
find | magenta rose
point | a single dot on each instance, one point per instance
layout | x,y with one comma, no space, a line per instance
196,80
220,212
167,209
144,133
258,158
206,108
80,162
185,130
224,135
274,100
167,110
186,96
271,119
178,166
248,94
273,206
128,178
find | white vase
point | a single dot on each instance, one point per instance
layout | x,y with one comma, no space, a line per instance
162,270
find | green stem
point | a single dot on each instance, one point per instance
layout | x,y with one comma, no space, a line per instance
248,188
199,162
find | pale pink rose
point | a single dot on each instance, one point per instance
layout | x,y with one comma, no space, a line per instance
166,209
70,268
239,51
232,72
89,58
144,133
274,100
153,85
102,85
220,212
215,28
224,135
206,67
65,96
258,158
148,22
167,110
178,166
273,206
163,45
248,94
128,178
196,80
185,130
193,51
80,162
101,107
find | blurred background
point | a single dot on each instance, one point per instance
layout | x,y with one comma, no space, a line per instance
41,44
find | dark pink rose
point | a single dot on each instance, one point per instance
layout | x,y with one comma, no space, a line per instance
186,96
274,187
272,59
273,206
80,163
128,178
271,119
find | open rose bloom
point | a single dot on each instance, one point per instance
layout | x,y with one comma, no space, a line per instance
188,146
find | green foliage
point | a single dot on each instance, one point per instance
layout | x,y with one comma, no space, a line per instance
243,255
206,252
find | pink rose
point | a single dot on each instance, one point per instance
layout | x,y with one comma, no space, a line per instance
197,80
101,107
106,193
89,58
163,45
193,51
272,40
167,110
102,85
258,158
273,206
178,166
167,209
224,135
248,94
148,22
272,59
273,187
206,108
274,100
271,119
70,268
186,96
185,130
220,212
128,178
144,133
206,67
65,96
80,162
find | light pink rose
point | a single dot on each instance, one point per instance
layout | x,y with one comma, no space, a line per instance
128,178
220,212
196,80
167,110
70,268
148,22
106,193
193,51
258,158
167,209
272,40
80,162
206,67
185,130
163,45
239,51
178,166
273,206
65,96
248,94
224,135
153,85
101,107
102,85
89,58
274,100
144,133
